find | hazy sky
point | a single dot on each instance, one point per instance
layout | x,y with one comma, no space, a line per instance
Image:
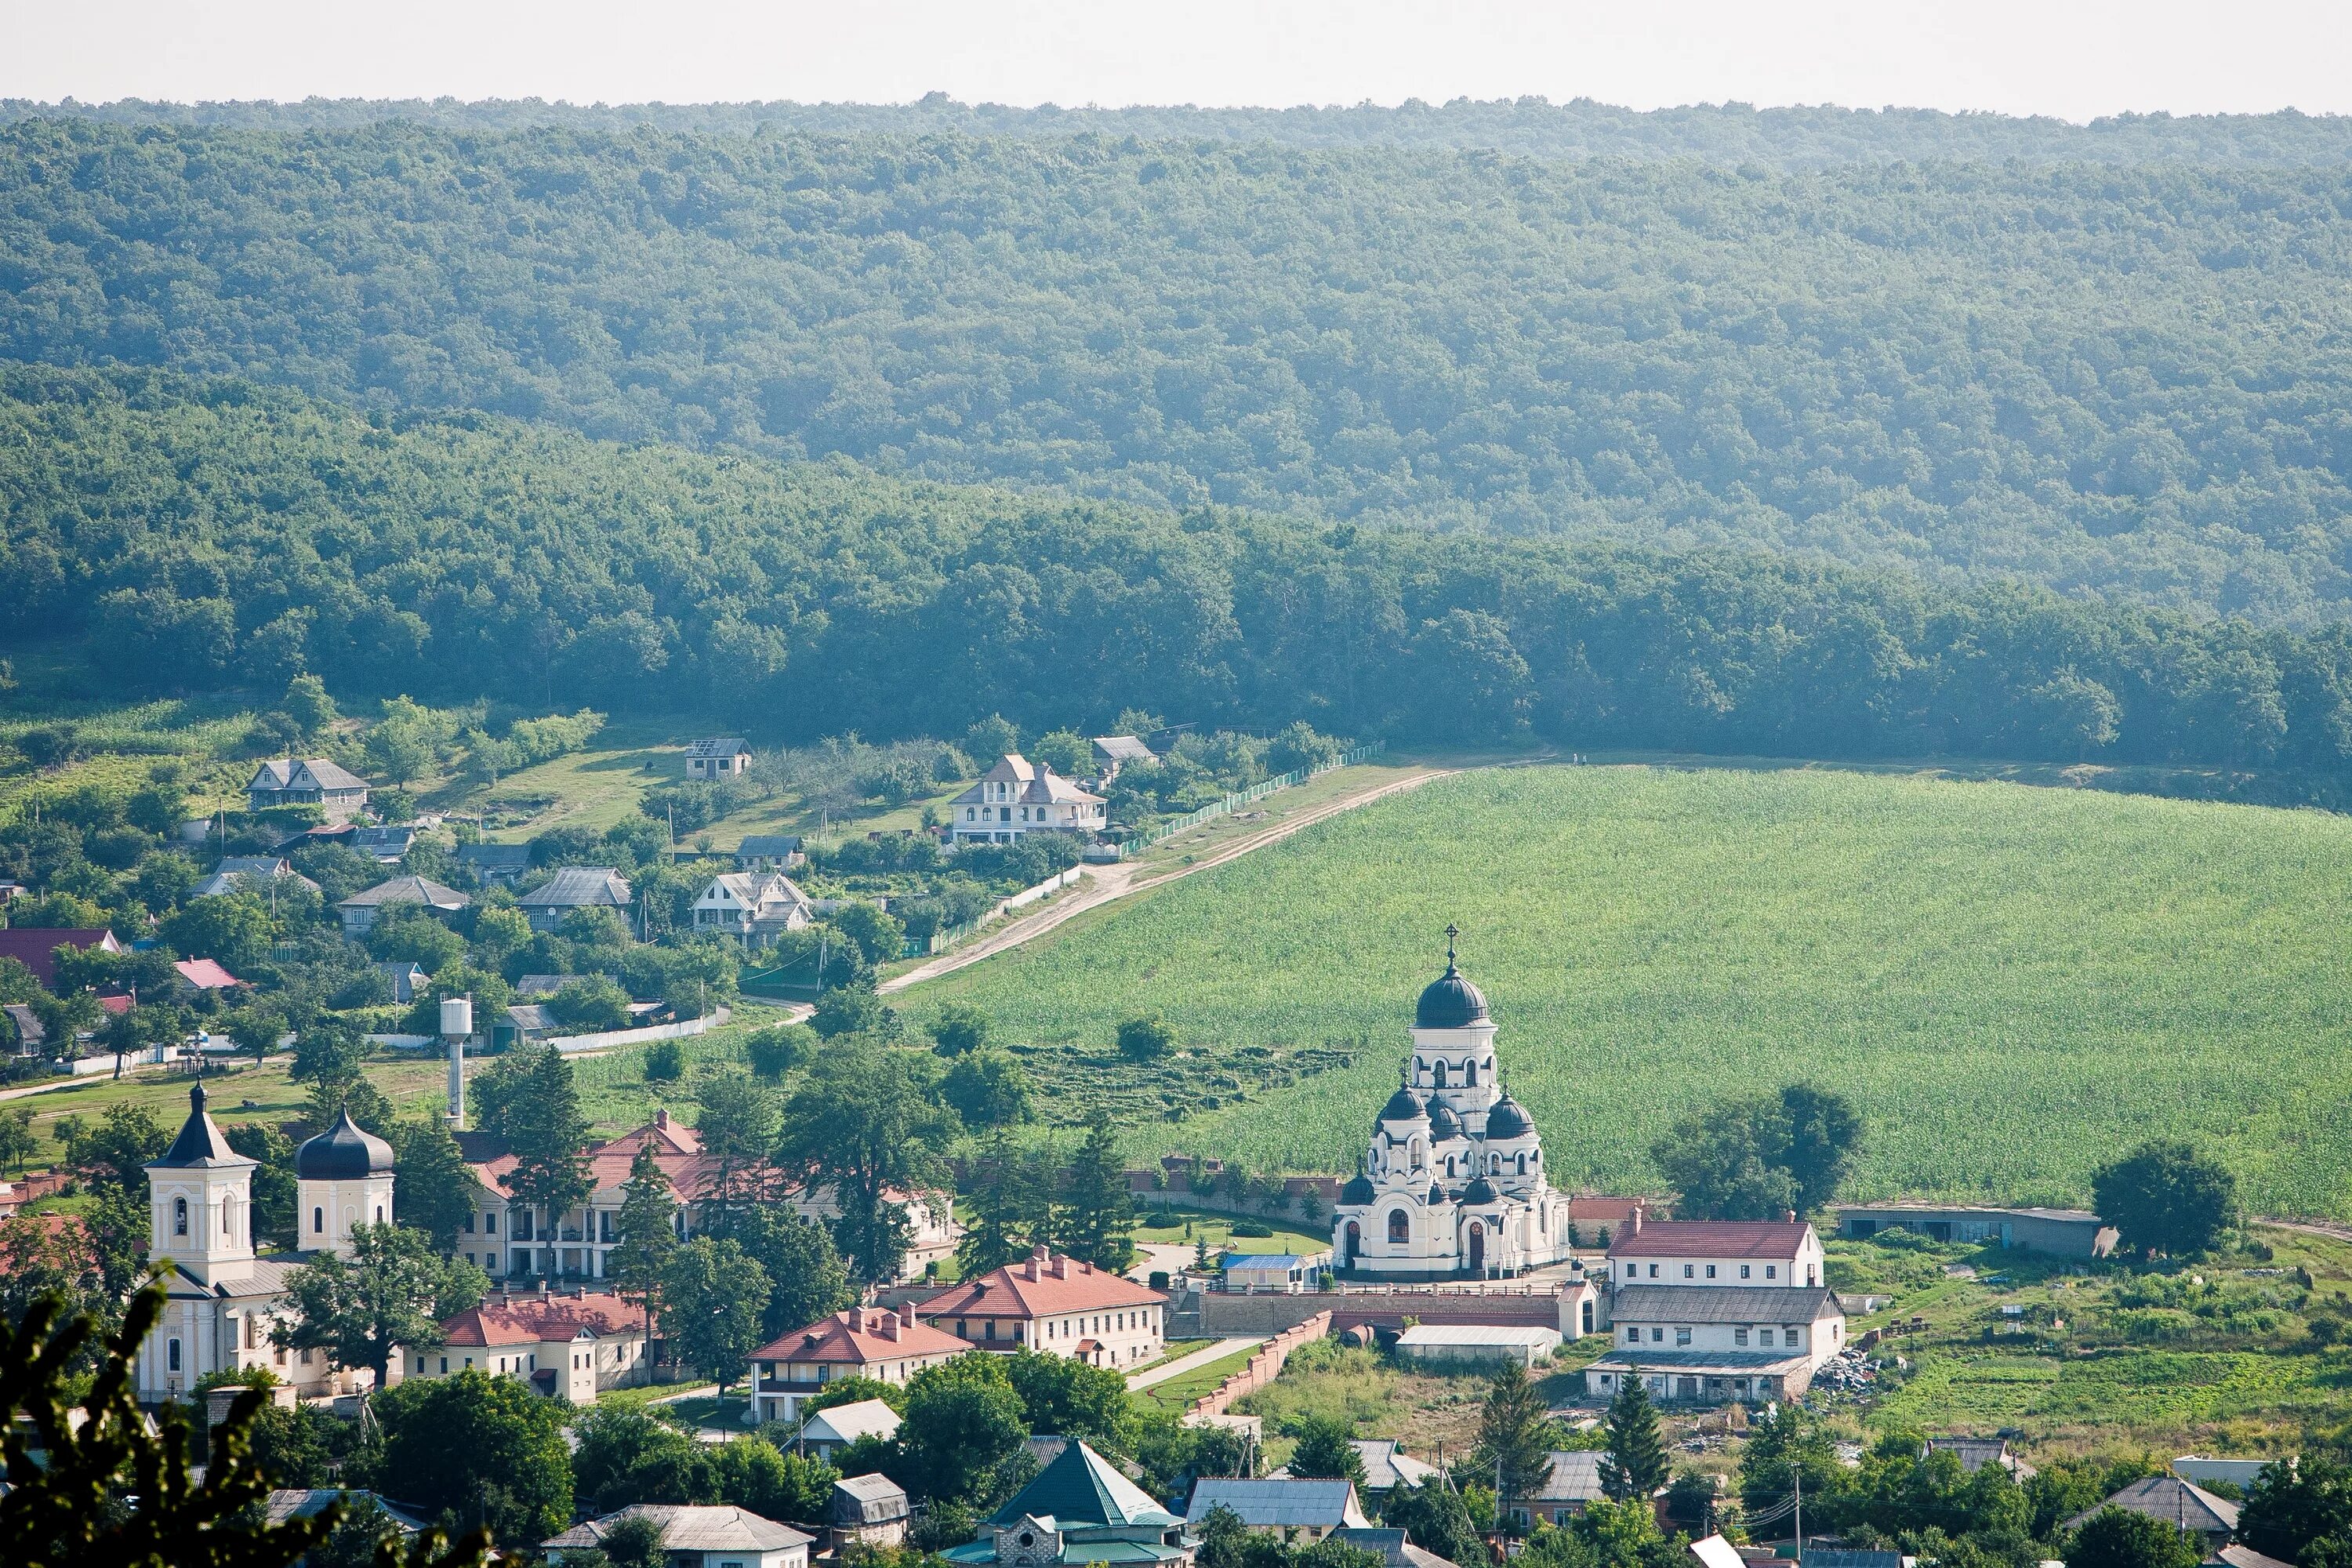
2077,59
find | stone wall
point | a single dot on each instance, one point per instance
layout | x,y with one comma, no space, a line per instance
1534,1303
1266,1365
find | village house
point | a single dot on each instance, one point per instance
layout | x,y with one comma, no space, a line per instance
1294,1509
567,1347
312,780
693,1536
770,852
885,1344
835,1427
361,910
721,757
406,981
494,864
1018,796
867,1510
35,947
205,974
1058,1305
752,905
1717,1310
385,846
1388,1466
575,887
1113,753
1570,1483
249,874
2185,1506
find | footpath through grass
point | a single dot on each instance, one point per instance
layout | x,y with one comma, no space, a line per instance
2013,982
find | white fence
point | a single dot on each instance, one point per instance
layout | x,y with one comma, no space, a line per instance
568,1044
1250,797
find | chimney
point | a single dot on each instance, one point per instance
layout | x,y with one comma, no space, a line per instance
1061,1269
887,1326
907,1314
661,1117
1634,1224
1787,1216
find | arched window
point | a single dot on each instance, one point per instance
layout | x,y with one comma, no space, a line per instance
379,1208
1413,1154
1449,1165
1523,1165
1440,1075
1470,1074
179,1220
1399,1227
318,1222
229,1219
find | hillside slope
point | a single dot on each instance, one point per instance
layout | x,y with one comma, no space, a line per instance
2117,380
2013,982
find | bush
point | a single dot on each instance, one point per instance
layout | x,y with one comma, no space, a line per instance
665,1062
1250,1230
774,1052
1146,1039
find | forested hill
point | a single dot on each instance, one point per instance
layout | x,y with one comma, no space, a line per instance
167,535
1803,136
2126,380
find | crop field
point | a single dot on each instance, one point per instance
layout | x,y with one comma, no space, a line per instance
2011,982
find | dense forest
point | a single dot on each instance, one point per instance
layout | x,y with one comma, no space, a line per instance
2122,381
1799,136
180,535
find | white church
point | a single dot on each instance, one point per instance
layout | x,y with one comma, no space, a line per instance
1453,1184
222,1296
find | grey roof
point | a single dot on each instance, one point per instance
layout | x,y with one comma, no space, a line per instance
1391,1547
29,1032
2235,1556
494,857
1122,748
719,746
375,840
847,1423
866,1499
199,1145
577,887
1279,1505
774,846
407,891
531,1018
1385,1467
544,985
2175,1501
1850,1557
1574,1477
1976,1453
281,773
686,1528
1723,1304
299,1503
239,871
1510,1334
263,1280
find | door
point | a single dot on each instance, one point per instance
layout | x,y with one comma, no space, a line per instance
1686,1388
1355,1239
1477,1247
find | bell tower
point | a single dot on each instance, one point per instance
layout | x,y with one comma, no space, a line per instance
200,1201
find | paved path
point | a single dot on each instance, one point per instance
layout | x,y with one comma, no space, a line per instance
1169,1258
1199,1358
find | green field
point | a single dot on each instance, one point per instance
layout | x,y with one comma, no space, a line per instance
2013,982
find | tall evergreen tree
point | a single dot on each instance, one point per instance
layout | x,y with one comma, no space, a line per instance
1636,1464
738,1126
437,1190
548,1132
1516,1434
1097,1212
861,1124
648,1237
994,1237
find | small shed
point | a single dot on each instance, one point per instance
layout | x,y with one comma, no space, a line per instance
836,1426
718,757
1477,1344
868,1509
769,852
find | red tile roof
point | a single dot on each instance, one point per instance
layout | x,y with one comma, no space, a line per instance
206,975
34,947
115,1005
860,1337
533,1320
1711,1238
1041,1286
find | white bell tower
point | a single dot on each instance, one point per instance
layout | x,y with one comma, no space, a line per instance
200,1201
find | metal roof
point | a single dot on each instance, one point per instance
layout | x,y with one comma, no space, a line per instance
691,1529
1279,1505
848,1423
579,887
1510,1334
1723,1304
1081,1489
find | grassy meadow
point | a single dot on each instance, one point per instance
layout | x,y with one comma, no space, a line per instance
2013,982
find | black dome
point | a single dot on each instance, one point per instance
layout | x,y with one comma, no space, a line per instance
1358,1191
1436,1194
1403,1105
1481,1191
342,1152
1443,1123
1505,1119
1449,1003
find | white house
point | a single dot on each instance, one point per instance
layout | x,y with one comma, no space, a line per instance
695,1537
567,1347
1056,1304
308,781
1018,796
1782,1254
752,904
720,757
1717,1310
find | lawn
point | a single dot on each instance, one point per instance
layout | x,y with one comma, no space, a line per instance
1178,1393
2011,982
1173,1226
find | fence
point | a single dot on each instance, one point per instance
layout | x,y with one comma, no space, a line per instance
1263,1368
1250,797
946,937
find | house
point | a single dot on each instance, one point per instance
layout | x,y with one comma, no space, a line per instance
2184,1505
361,910
1113,753
1391,1547
249,874
497,864
25,1025
309,781
2062,1232
1388,1466
1305,1511
574,887
1272,1273
721,757
752,905
1718,1342
1570,1484
35,947
2239,1557
770,852
1018,796
205,974
566,1347
1976,1453
889,1346
1077,1510
1049,1302
386,845
866,1511
307,1503
10,891
406,979
836,1426
1782,1253
693,1536
1476,1344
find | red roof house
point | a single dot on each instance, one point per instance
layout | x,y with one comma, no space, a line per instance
864,1341
1049,1302
35,947
206,975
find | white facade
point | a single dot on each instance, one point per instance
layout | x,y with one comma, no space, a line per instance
330,1211
1017,797
1453,1183
752,904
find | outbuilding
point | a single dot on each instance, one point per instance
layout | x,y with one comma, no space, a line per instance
1477,1344
2060,1233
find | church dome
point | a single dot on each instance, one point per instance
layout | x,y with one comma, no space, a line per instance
342,1152
1507,1119
1404,1105
1358,1191
1481,1191
1450,1002
1443,1123
1436,1194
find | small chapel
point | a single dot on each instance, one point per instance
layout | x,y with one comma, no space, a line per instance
1453,1184
223,1296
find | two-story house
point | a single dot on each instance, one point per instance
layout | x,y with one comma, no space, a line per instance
575,887
752,905
886,1345
1715,1310
1058,1305
308,781
565,1347
1018,796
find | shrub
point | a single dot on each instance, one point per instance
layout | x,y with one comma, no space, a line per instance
774,1052
1146,1039
665,1062
1250,1230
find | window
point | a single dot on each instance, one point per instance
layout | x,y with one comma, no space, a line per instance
1470,1074
1682,1336
318,1222
1653,1271
1770,1272
1657,1336
1739,1336
1743,1271
1793,1338
489,1225
179,1227
469,1229
1763,1336
1632,1269
1710,1270
1686,1271
1399,1227
1633,1335
172,1355
379,1213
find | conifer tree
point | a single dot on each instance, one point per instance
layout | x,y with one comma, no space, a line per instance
648,1237
1099,1213
994,1238
1635,1465
1516,1434
549,1134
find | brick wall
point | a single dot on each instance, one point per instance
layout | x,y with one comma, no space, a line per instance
1263,1368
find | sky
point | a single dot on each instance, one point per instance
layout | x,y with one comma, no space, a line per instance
2073,58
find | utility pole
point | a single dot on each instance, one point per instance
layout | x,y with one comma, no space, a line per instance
1797,1474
